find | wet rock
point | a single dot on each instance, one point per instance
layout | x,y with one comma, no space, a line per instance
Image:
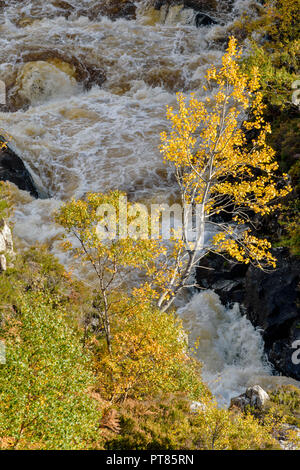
269,299
204,20
115,9
255,397
225,277
171,79
272,303
85,72
65,8
13,169
202,7
197,5
43,64
41,81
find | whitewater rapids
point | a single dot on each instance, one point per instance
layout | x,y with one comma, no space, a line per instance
87,102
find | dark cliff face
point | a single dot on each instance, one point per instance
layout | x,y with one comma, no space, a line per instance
12,169
272,303
270,300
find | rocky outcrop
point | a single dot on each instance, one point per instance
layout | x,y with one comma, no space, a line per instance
204,20
226,278
272,303
114,9
270,300
13,169
205,9
254,397
287,435
6,244
197,5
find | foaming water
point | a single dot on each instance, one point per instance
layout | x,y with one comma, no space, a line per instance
76,136
230,348
87,101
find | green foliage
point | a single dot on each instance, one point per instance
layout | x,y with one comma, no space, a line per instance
169,423
37,270
286,399
5,198
285,139
220,429
289,219
163,423
44,398
278,72
44,384
275,49
148,356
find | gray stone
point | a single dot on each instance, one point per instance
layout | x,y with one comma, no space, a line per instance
255,397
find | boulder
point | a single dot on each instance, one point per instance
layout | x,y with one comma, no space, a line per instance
204,20
114,9
225,277
203,8
13,169
255,397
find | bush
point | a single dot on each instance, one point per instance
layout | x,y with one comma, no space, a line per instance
44,400
149,355
162,423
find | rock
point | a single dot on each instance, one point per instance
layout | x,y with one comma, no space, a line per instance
204,20
6,244
47,71
115,9
284,437
257,396
272,382
197,5
270,300
197,406
3,264
66,9
226,278
272,303
254,397
6,241
13,169
203,8
201,5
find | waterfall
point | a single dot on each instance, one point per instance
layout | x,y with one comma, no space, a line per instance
230,348
87,101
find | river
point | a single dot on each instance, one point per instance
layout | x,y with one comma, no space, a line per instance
87,101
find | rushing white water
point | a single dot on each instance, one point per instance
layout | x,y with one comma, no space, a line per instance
76,140
230,349
77,133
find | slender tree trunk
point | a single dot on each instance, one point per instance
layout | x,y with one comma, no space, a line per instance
199,245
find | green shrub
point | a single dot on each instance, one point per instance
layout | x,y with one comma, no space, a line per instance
44,384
